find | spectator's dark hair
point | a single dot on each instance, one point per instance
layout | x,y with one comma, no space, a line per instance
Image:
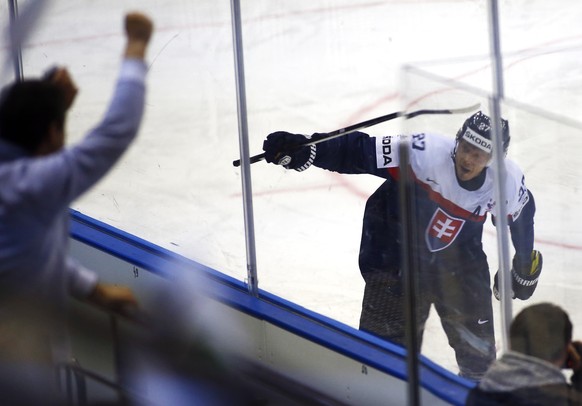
27,109
541,330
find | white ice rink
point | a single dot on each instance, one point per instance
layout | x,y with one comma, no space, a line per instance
317,66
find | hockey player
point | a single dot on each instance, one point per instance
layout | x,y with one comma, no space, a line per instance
453,192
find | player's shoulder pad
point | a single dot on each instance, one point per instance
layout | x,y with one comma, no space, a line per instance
387,147
515,177
387,151
516,190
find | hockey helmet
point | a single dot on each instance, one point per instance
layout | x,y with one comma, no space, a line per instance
477,131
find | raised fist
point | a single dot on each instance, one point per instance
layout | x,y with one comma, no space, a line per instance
138,30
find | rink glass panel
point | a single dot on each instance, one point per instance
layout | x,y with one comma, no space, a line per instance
7,68
310,67
175,186
545,146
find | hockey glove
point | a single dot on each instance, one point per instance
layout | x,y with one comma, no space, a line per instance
524,276
286,149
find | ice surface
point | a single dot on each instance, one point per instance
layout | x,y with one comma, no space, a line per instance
314,66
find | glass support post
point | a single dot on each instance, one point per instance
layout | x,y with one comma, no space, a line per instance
409,267
15,47
504,277
244,149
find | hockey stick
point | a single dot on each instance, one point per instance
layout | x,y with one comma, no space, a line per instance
369,123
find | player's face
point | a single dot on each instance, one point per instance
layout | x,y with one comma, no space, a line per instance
470,160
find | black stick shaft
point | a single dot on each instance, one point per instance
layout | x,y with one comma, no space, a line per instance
368,123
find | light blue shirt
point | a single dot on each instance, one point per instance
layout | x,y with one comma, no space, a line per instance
36,192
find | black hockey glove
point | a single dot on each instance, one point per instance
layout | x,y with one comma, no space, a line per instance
524,276
283,148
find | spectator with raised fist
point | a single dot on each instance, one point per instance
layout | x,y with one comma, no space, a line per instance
40,178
